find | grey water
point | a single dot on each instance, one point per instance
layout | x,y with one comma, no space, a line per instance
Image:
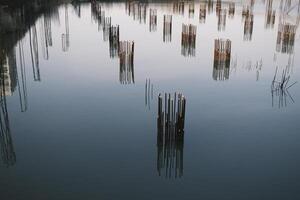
80,86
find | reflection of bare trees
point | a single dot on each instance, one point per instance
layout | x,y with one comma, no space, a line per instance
188,40
167,29
170,135
153,20
222,54
126,55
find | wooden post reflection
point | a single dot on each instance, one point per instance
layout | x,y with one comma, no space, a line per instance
167,28
170,135
153,20
222,55
270,15
126,56
202,13
114,40
188,40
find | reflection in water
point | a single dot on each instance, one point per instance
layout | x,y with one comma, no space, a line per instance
65,37
148,93
279,88
7,86
170,135
137,9
153,20
231,9
191,10
257,66
126,54
222,54
221,13
202,12
167,29
270,15
188,40
178,7
34,52
22,87
114,41
285,38
106,28
248,23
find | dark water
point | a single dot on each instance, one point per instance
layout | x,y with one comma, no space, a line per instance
79,122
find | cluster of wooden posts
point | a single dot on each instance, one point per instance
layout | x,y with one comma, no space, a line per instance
170,134
167,28
124,50
137,9
126,55
188,40
191,10
221,14
286,38
202,13
270,15
153,20
247,14
114,39
222,56
178,7
231,9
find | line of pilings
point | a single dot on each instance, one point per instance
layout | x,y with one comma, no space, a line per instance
170,134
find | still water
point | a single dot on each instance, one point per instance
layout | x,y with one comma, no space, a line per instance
81,115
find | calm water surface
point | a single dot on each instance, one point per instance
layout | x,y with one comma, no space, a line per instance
79,118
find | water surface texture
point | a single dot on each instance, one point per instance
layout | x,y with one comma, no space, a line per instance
86,112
